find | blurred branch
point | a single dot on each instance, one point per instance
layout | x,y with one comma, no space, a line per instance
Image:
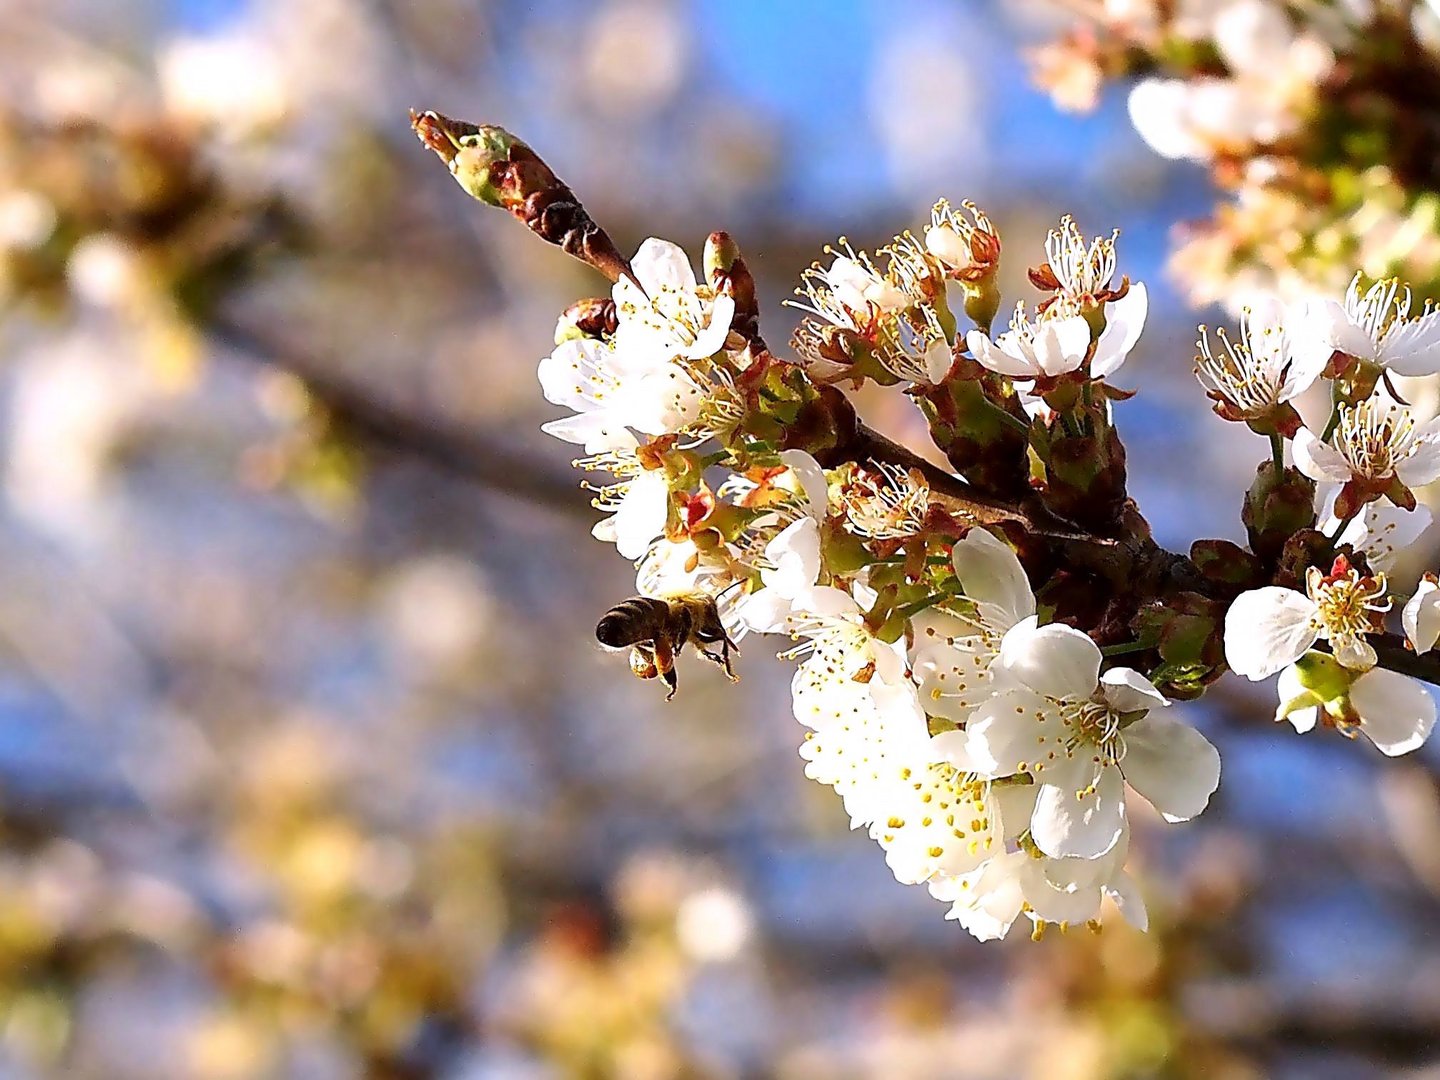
451,449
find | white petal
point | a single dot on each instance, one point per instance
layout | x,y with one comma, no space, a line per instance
1396,711
1355,653
1422,466
1124,320
659,265
1316,328
1126,690
574,372
1172,765
1061,344
642,513
987,355
1413,348
1319,460
596,431
1087,828
1126,894
992,575
1267,629
1056,660
1297,704
811,477
1159,110
938,361
1006,731
1421,617
712,339
795,554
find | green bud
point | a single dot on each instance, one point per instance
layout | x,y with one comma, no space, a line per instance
1278,505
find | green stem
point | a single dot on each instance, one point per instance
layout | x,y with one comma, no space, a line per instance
1277,452
1334,413
1125,648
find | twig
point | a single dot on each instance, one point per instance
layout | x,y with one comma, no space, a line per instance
488,462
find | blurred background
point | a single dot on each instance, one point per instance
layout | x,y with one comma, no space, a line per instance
308,764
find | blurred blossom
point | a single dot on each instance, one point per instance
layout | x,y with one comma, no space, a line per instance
713,924
27,219
927,99
232,82
635,55
438,611
106,270
69,407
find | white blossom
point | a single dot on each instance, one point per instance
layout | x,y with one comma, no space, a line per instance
674,317
1268,629
1066,892
1394,711
1264,366
954,648
1058,341
1375,441
1082,735
1377,327
1381,530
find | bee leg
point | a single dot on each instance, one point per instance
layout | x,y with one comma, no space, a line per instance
722,658
665,664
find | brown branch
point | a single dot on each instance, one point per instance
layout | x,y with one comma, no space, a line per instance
439,443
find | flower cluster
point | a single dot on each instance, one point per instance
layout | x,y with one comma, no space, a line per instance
1371,450
980,729
1311,117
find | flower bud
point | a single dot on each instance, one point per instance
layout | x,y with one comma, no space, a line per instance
497,168
1278,505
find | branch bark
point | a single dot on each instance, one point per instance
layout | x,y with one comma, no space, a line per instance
459,451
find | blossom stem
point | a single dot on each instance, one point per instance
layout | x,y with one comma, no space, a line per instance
1277,452
1334,420
1126,647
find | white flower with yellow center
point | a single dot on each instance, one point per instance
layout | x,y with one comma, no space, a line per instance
1375,442
1381,530
1058,341
1376,326
638,502
954,648
887,502
1268,629
668,315
1265,366
1081,736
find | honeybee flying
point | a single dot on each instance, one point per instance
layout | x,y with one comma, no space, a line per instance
655,630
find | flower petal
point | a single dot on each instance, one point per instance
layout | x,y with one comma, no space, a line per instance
1124,320
642,513
1297,703
996,359
1266,630
1066,824
1061,344
1131,904
1172,765
1010,730
1421,617
659,265
992,575
712,339
1126,690
1319,460
1413,347
1396,711
1055,660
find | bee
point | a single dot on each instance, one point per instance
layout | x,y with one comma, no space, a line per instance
655,630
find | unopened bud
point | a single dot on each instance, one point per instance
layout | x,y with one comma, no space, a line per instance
1279,505
495,167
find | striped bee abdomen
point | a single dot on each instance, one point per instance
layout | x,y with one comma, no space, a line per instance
641,618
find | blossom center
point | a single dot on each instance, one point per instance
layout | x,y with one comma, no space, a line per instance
1375,437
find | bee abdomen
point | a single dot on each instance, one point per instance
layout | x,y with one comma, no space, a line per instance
631,621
